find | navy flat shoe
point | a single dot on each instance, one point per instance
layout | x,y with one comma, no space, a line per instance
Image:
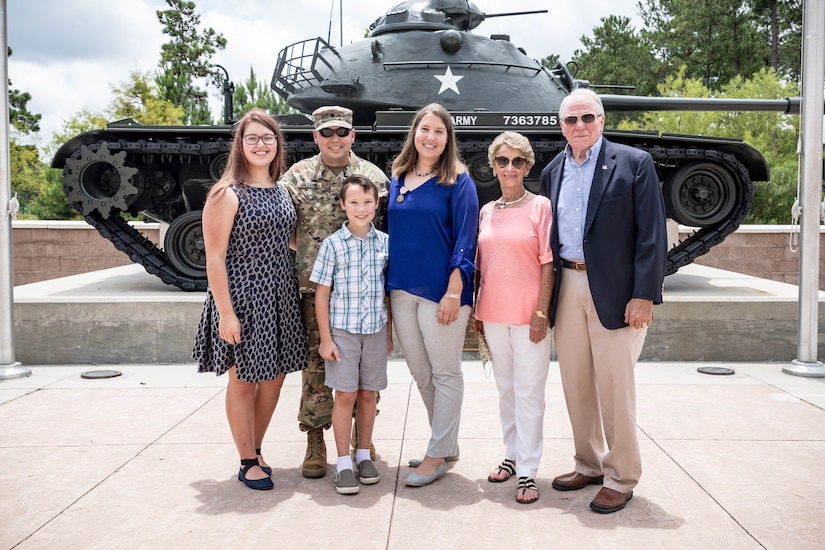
259,484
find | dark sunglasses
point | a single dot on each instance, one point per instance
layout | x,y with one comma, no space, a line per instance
571,120
340,132
517,162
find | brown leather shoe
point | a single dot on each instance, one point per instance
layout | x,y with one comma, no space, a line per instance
575,481
608,501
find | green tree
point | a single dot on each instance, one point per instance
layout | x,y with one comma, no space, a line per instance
772,134
617,56
50,203
187,58
27,180
20,118
780,23
715,39
82,121
254,93
25,168
139,99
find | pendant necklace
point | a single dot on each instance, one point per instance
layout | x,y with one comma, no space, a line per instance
502,204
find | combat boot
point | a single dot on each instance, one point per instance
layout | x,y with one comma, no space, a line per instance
315,461
354,442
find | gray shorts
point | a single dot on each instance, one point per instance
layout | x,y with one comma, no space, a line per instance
363,364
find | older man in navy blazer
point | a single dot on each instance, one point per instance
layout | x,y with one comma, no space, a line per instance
609,247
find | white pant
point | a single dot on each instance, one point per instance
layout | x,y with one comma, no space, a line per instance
433,355
520,368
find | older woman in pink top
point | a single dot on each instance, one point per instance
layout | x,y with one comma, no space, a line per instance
515,269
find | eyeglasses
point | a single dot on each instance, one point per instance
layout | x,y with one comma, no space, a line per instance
589,118
517,162
340,132
252,139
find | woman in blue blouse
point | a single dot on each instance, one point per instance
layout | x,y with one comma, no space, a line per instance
432,220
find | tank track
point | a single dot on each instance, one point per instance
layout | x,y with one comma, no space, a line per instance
142,251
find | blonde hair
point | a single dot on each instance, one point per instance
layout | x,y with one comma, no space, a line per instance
514,140
237,168
449,165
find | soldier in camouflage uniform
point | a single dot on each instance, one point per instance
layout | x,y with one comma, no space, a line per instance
313,184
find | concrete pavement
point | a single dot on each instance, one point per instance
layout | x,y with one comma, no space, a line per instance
146,460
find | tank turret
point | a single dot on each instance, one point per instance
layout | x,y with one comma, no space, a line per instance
418,52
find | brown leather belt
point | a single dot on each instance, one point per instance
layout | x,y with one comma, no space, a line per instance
578,266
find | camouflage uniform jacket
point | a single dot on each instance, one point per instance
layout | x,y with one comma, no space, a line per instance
314,188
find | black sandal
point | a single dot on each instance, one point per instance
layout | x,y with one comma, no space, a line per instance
525,484
507,466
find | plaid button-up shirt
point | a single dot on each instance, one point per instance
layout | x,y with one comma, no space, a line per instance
354,268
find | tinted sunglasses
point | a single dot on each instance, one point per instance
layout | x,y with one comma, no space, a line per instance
340,132
517,162
571,120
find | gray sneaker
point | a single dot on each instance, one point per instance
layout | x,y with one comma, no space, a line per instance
367,474
345,483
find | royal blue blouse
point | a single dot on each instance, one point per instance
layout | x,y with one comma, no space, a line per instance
432,231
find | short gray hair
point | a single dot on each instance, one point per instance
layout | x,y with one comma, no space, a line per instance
579,94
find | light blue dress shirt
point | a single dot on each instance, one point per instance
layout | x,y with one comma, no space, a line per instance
574,196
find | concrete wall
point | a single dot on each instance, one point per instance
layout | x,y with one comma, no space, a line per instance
763,251
45,250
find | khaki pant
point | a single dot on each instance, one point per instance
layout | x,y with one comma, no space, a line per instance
597,373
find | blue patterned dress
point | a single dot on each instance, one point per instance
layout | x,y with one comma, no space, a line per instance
263,286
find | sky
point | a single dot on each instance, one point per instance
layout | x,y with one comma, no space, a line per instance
69,54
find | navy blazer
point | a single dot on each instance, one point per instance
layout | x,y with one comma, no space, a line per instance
625,235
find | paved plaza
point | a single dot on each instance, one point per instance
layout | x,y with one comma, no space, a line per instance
145,460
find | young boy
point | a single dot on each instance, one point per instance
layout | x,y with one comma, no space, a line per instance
355,326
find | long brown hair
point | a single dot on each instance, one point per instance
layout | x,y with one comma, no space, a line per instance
449,165
237,170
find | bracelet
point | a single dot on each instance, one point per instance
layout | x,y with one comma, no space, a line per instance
540,314
455,296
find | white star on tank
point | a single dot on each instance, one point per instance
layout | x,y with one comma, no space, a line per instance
448,81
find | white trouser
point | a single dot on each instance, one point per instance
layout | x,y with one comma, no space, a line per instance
520,368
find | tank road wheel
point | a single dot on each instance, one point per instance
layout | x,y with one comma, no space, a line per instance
700,194
184,247
217,165
99,181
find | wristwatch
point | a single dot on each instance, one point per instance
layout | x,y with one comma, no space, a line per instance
540,314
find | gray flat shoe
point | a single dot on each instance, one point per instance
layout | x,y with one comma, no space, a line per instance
367,474
418,480
345,483
416,462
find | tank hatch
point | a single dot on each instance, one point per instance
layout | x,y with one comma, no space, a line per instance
429,15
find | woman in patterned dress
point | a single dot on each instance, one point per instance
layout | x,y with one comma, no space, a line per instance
251,327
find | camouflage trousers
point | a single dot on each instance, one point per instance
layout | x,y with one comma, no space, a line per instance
315,410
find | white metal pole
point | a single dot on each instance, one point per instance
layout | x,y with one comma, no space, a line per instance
9,368
813,79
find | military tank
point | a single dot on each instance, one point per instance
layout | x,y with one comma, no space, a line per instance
416,53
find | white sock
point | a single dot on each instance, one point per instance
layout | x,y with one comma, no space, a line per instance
344,463
362,454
